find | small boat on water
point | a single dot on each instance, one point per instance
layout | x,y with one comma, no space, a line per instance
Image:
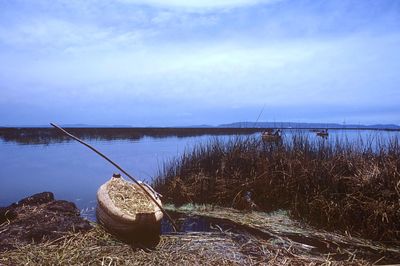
270,136
323,133
125,210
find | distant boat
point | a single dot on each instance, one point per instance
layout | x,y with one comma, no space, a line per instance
323,133
125,210
270,136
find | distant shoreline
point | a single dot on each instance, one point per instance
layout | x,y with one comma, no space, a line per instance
47,135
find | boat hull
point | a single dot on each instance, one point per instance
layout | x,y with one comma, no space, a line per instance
147,228
138,227
322,134
271,138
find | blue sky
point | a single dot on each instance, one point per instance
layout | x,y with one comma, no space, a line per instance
186,62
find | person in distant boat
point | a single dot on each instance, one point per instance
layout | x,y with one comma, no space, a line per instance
268,131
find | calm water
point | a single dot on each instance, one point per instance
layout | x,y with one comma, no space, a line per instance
73,172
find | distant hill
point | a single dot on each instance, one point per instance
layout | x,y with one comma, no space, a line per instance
94,126
245,124
305,125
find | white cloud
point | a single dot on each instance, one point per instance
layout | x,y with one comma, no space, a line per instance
235,55
49,36
222,74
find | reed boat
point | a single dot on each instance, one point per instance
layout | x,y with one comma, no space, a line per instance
125,210
268,136
323,133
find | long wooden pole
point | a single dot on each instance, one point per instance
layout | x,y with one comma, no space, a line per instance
119,168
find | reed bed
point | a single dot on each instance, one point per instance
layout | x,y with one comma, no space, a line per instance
352,186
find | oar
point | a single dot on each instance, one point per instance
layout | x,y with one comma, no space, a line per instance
119,168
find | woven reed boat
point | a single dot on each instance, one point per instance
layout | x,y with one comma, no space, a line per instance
268,137
323,133
126,211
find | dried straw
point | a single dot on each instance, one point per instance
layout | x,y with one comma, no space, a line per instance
128,198
97,247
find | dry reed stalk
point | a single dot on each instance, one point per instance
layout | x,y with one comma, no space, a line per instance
97,247
337,184
100,248
128,198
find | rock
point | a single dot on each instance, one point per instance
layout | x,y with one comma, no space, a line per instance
38,218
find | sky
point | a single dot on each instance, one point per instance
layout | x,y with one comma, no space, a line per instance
187,62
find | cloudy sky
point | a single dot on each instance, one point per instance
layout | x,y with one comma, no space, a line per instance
191,62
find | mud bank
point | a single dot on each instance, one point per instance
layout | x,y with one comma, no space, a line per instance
38,218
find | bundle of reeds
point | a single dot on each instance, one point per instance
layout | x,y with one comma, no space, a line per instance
129,198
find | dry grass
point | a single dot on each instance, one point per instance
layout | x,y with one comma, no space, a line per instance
99,248
303,240
204,248
129,198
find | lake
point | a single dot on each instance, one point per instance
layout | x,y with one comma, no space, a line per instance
37,163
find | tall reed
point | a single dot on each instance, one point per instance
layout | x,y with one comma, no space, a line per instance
350,185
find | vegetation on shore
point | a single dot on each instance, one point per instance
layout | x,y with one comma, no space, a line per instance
337,184
51,135
232,238
97,247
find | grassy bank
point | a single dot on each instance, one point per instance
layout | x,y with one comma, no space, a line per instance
353,186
